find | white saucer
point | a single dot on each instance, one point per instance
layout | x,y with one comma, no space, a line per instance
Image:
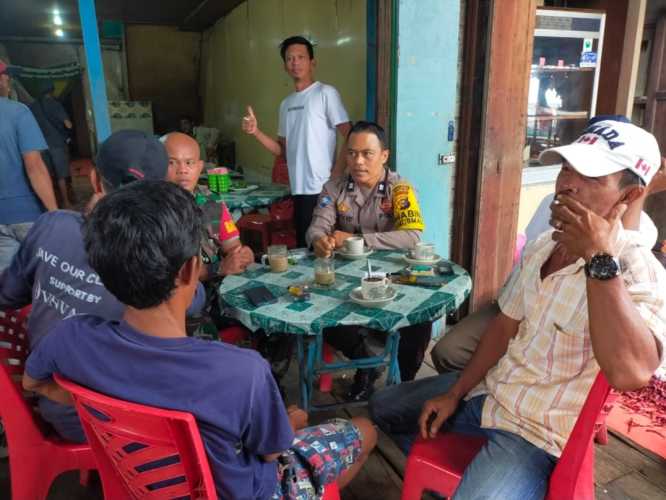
354,256
355,296
251,187
422,262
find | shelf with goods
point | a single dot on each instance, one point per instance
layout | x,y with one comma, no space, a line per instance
563,79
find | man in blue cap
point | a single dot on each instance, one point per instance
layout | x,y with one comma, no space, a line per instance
51,269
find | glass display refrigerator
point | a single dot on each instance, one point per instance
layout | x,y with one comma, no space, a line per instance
564,77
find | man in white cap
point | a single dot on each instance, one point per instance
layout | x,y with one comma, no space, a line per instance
587,296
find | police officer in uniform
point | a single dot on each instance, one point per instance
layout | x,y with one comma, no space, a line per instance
374,203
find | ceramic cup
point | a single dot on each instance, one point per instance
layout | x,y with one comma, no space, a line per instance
375,287
277,258
424,251
354,245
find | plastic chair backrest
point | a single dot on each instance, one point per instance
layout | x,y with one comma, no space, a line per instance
21,425
439,463
573,476
149,452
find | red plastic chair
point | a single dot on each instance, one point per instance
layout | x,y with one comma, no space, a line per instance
255,231
438,464
128,439
234,335
35,459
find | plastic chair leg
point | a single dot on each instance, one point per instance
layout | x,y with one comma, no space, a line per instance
84,477
30,479
326,379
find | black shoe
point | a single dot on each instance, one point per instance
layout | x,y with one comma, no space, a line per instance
364,384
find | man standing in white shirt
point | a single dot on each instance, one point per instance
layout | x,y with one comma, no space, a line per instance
310,118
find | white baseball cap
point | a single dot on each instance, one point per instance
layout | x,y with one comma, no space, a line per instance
607,147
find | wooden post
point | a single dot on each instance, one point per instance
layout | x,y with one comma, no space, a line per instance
502,142
631,53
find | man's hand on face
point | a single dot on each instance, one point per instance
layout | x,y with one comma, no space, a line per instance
324,246
340,237
582,232
233,262
435,412
249,123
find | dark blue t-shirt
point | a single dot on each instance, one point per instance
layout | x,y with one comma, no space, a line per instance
229,390
51,271
19,134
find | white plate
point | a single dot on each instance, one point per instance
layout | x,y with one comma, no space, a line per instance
251,187
355,296
422,262
354,256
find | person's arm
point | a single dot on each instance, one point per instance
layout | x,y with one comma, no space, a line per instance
341,161
393,240
41,365
324,216
493,345
617,327
398,237
250,126
40,180
625,348
47,388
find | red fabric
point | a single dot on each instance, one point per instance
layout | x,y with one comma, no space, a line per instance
34,459
112,425
228,229
280,172
438,464
233,334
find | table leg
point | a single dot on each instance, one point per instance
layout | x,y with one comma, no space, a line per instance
302,377
310,361
393,376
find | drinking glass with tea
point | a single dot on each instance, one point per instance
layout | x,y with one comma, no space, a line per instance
277,257
324,272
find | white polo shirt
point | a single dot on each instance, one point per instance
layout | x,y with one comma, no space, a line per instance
307,121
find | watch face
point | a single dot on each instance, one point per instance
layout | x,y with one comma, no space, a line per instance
603,267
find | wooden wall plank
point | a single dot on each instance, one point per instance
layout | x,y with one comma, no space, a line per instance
502,142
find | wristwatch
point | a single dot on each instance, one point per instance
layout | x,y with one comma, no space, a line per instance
603,267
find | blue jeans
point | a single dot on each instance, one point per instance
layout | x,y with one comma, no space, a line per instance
11,236
507,467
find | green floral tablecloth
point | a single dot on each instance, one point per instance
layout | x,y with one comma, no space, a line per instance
260,197
332,307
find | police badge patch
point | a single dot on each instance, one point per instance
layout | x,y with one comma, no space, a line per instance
325,201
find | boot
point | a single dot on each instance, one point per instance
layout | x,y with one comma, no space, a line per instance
364,384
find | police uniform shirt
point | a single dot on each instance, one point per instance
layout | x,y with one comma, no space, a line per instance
343,206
